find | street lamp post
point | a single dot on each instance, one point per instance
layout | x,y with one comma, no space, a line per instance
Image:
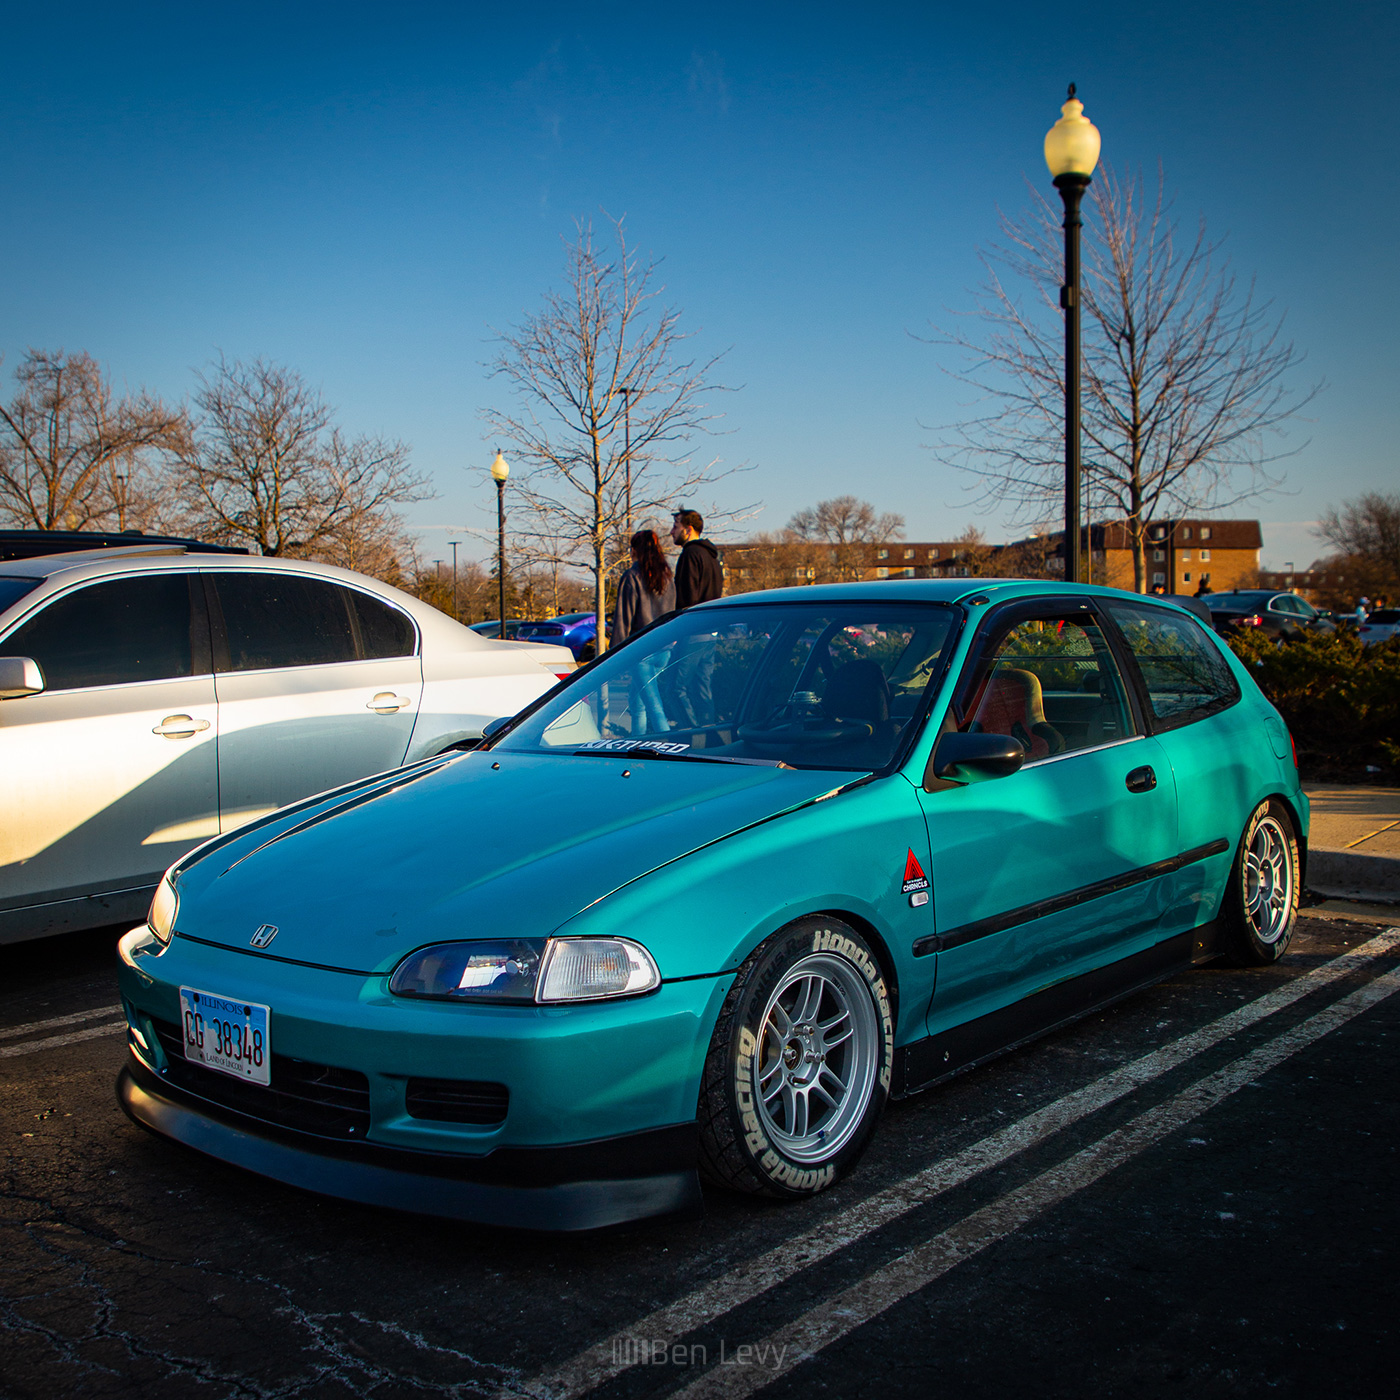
500,469
455,613
1071,152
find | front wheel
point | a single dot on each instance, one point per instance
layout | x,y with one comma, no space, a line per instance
1261,906
798,1069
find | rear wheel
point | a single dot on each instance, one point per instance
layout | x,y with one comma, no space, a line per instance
798,1070
1261,906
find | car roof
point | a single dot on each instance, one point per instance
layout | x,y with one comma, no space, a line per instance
56,572
935,590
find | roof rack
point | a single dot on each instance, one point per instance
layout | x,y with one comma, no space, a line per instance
34,544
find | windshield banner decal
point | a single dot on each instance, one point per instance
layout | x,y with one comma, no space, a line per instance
632,746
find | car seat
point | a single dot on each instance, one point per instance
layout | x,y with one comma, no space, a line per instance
859,691
1013,703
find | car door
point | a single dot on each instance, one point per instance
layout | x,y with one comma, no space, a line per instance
1208,737
110,772
1050,872
318,684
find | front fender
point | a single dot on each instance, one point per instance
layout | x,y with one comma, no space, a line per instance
703,914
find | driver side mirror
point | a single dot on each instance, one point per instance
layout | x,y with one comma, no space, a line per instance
974,758
494,727
19,676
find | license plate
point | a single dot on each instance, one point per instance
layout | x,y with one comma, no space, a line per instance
226,1034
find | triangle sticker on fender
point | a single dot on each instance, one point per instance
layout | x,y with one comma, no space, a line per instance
914,877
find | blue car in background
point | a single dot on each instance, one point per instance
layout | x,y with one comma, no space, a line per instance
577,631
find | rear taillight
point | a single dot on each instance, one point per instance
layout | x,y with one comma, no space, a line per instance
1292,744
1253,620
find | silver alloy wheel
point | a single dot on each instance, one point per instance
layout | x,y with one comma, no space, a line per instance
818,1053
1268,881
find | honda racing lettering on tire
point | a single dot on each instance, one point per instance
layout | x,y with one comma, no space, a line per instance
755,1139
824,941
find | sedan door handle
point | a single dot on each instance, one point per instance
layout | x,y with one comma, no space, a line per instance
180,726
1140,780
387,703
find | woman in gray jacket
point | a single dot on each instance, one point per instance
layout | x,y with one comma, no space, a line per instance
647,591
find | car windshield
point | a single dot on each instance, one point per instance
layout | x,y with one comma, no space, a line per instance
821,685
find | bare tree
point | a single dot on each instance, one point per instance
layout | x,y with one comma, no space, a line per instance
848,527
604,405
72,454
266,467
1367,533
1184,372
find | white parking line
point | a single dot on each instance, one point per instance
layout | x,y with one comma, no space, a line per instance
615,1354
789,1346
31,1047
10,1032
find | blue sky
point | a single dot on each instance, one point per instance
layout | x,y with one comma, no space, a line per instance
363,191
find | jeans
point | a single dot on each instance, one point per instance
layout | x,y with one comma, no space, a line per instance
648,716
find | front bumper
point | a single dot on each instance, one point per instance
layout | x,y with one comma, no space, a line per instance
583,1186
587,1119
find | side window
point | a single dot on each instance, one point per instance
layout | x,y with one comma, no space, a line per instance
279,620
384,631
1185,675
117,633
1052,684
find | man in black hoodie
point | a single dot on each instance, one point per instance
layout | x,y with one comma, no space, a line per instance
698,579
698,574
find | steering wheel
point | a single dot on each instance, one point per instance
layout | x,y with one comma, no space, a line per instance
803,722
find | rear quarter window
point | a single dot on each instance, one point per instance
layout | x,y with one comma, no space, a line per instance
1185,676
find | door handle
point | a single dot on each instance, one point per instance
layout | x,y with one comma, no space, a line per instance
387,703
180,726
1140,780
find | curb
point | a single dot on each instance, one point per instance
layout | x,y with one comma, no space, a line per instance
1352,875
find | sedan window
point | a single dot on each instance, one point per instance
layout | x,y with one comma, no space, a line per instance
115,633
278,620
384,631
1052,685
13,589
1184,673
835,685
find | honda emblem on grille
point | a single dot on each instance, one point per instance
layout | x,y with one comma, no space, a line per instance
264,936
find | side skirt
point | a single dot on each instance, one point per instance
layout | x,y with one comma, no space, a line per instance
924,1063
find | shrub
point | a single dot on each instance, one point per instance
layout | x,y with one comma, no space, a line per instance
1340,700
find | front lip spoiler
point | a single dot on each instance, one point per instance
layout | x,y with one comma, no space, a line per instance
425,1183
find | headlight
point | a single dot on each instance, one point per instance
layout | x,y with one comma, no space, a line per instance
581,969
520,970
504,970
164,908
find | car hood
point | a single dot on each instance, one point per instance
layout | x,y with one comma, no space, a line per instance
484,845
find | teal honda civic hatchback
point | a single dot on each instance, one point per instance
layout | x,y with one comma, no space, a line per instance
703,909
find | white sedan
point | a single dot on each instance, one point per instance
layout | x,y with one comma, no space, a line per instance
151,699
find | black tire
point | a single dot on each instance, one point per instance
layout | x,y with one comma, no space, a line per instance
804,1136
1261,904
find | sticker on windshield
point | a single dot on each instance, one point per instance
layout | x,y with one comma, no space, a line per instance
634,746
914,877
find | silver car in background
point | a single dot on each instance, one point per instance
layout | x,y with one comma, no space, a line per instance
151,699
1380,626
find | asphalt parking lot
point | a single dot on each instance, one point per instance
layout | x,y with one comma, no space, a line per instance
1190,1194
